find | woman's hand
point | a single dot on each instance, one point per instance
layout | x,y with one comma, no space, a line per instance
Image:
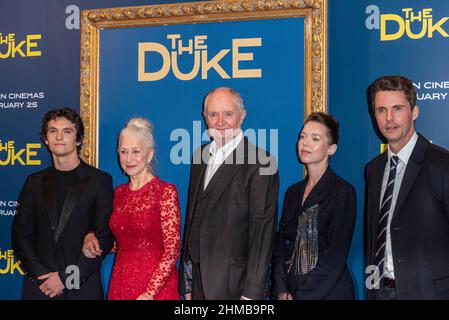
145,296
284,296
91,246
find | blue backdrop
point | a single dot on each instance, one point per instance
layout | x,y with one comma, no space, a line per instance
47,76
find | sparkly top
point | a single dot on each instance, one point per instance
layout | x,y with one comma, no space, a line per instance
305,252
146,224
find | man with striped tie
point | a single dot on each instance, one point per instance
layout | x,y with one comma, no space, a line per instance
407,202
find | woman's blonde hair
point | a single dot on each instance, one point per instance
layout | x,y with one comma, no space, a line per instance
141,126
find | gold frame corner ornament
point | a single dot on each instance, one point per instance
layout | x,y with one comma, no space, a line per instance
95,20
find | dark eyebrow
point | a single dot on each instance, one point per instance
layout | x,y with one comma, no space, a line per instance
65,128
396,105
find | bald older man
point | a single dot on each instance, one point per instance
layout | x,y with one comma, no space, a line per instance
232,209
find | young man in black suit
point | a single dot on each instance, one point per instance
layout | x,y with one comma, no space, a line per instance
407,204
57,208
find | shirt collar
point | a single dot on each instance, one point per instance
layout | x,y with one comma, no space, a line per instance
405,153
228,147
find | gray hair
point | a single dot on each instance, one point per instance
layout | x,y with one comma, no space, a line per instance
237,96
141,126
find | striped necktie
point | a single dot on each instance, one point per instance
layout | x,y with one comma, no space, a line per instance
383,217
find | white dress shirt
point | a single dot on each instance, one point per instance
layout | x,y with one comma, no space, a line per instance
219,155
404,156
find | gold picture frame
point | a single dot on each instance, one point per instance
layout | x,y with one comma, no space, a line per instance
93,21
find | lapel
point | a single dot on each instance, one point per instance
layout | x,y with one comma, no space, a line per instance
319,192
73,193
377,177
198,171
48,188
296,203
217,178
412,170
225,173
219,182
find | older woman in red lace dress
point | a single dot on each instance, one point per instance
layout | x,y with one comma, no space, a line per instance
145,221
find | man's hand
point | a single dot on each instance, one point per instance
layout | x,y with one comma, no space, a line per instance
188,296
52,285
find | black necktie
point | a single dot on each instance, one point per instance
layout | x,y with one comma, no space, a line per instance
383,216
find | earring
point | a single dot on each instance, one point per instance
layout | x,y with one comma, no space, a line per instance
149,168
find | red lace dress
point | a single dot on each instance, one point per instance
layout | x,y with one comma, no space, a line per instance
146,224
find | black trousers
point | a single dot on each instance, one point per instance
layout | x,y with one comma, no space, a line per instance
385,293
197,285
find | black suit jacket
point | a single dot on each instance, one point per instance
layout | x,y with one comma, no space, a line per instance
44,246
331,278
420,223
237,216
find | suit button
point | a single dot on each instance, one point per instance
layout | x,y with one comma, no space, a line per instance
287,242
401,260
397,228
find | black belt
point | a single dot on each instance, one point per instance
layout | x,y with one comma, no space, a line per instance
390,283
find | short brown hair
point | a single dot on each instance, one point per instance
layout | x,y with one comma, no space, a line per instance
328,121
394,83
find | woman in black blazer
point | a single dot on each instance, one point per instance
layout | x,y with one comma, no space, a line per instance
315,233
